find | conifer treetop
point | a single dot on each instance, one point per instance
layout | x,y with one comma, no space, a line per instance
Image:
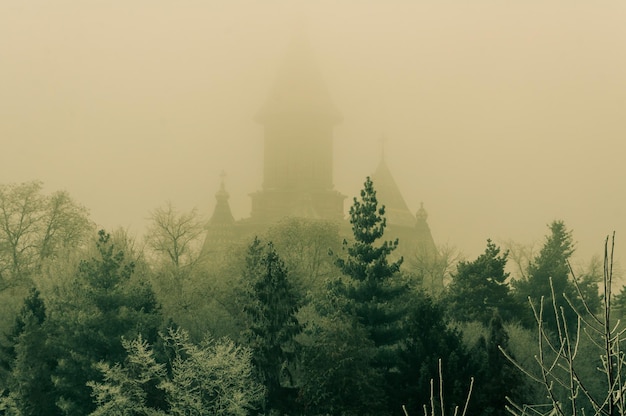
367,260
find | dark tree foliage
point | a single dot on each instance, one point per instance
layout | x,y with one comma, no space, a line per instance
497,378
31,363
338,375
33,311
480,287
552,264
271,307
336,364
618,304
552,261
109,305
371,288
375,296
428,338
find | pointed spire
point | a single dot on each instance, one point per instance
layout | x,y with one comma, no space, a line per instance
222,194
222,214
421,214
389,194
425,243
299,89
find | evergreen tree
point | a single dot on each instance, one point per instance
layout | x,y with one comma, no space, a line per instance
618,304
271,308
375,296
29,381
372,289
480,287
338,375
497,377
552,261
109,303
33,310
551,264
428,338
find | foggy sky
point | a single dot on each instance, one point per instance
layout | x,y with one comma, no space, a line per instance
500,116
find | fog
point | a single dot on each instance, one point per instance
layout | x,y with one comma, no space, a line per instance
499,116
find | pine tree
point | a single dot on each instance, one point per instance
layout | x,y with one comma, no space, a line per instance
374,296
372,289
552,261
498,378
109,303
427,339
480,287
30,383
551,264
33,310
271,308
338,375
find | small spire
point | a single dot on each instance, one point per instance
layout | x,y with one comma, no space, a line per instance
222,191
421,214
222,213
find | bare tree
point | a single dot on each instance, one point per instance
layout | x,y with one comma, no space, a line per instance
175,236
434,270
64,224
520,257
174,239
35,226
437,400
304,245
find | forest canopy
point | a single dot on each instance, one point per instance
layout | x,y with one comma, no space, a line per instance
299,319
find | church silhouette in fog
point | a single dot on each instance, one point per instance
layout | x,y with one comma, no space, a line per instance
298,119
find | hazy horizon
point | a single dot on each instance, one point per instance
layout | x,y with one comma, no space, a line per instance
500,117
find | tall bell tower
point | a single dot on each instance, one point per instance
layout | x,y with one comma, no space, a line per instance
298,120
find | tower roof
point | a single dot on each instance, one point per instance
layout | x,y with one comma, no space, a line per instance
389,194
299,89
221,214
421,214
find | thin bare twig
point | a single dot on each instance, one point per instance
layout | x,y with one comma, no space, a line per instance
561,370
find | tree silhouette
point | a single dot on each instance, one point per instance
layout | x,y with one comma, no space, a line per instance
271,308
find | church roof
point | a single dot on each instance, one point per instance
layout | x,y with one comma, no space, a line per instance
299,89
388,194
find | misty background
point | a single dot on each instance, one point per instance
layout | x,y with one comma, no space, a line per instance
499,116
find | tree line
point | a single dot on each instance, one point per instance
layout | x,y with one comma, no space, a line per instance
295,321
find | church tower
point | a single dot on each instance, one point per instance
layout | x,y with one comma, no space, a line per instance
298,120
221,227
